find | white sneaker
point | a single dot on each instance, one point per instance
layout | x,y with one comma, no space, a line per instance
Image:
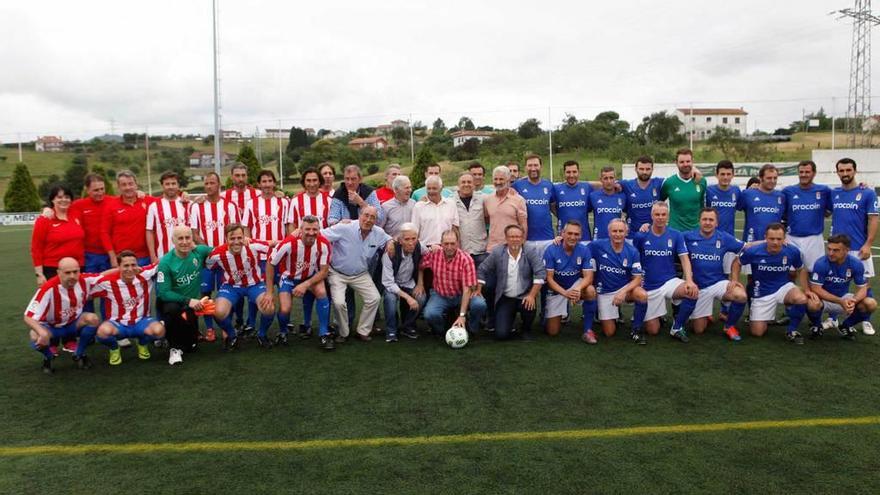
175,356
830,323
124,343
867,328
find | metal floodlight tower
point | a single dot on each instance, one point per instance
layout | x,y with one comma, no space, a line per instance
858,109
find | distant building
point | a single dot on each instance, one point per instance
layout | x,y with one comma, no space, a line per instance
871,124
334,135
384,128
399,123
49,143
461,137
206,160
377,142
703,121
278,133
230,135
309,132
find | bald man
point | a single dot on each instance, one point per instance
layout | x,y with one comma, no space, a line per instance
56,311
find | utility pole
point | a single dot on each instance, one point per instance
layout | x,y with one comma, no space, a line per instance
691,133
859,100
412,143
217,137
280,157
149,171
550,136
20,159
833,112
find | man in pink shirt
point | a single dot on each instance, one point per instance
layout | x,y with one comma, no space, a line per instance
504,207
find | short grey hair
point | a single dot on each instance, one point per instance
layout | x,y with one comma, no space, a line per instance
615,220
126,173
310,219
408,227
434,178
659,204
352,168
399,182
392,166
503,170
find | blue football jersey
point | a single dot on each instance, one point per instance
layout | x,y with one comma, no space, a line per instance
835,278
805,209
613,269
639,202
605,207
568,269
761,209
849,213
538,198
707,255
770,271
726,203
573,203
658,254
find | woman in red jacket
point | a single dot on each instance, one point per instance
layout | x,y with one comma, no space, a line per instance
58,237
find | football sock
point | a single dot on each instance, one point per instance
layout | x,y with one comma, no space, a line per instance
589,313
226,325
796,313
815,318
639,316
86,337
252,313
323,305
110,342
265,323
308,300
283,321
44,350
854,319
736,310
685,310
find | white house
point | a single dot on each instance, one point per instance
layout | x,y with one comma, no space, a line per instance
377,142
206,160
278,133
49,143
460,137
703,121
230,135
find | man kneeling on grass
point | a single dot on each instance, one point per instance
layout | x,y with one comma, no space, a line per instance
128,294
830,280
570,273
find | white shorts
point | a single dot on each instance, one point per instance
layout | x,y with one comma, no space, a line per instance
869,264
764,308
728,260
539,246
706,300
830,307
745,269
812,248
555,305
607,309
657,298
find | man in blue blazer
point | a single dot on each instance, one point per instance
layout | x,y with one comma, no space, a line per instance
517,275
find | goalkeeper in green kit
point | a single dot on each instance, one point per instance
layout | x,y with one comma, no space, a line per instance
179,292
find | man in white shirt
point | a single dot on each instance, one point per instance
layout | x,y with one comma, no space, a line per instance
436,215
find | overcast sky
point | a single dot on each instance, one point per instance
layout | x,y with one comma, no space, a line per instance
69,68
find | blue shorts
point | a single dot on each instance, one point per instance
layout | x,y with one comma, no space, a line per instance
133,331
144,261
277,273
287,284
235,294
96,263
211,280
68,330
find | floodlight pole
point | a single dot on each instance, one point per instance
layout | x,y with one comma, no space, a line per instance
20,159
149,171
216,96
833,109
550,134
412,143
691,133
280,157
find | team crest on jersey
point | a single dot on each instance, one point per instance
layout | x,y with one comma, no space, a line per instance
818,195
654,192
578,260
698,188
583,193
619,202
624,262
717,244
160,277
785,260
848,273
733,196
859,197
545,191
779,200
668,242
195,262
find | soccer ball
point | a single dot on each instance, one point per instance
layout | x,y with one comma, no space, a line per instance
456,337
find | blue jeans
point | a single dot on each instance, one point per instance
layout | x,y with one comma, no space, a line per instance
438,306
407,316
96,263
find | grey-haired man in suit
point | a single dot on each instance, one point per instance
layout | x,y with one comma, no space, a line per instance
517,275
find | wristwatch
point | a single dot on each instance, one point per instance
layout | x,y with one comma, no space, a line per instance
461,314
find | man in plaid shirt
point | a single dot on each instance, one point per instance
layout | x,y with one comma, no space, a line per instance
455,280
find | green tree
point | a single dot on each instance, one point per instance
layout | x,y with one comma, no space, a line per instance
466,124
399,135
424,157
660,128
529,129
247,156
298,139
109,178
21,194
439,127
45,186
75,175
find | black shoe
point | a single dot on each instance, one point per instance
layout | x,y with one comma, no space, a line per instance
639,338
390,337
82,363
848,333
291,328
327,343
339,339
264,343
794,337
281,339
681,335
230,344
410,333
247,332
47,366
816,332
305,332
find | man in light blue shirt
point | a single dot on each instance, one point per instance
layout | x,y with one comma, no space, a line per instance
432,169
356,246
351,197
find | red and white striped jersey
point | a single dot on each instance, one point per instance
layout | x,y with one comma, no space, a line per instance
303,205
297,261
210,220
242,269
266,218
240,198
57,305
162,217
126,302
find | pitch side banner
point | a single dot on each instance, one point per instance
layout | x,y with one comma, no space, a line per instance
18,218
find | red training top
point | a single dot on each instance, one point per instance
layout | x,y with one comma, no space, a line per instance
383,194
54,239
91,216
125,225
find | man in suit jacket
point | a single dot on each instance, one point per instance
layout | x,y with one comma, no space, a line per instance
517,275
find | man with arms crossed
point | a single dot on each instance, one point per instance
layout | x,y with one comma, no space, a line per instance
569,279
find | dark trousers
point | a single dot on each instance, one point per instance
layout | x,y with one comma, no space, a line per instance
181,325
506,310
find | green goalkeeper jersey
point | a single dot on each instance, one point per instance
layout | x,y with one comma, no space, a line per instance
686,199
